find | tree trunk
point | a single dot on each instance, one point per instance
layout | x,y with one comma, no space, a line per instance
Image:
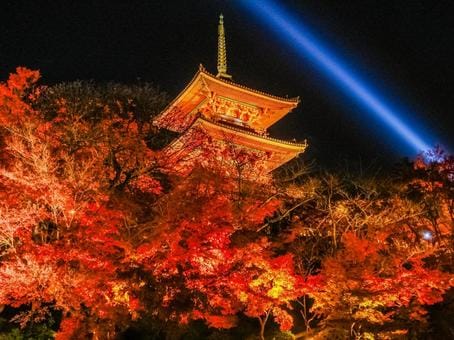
263,324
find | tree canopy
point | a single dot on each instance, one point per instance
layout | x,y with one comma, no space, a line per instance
98,234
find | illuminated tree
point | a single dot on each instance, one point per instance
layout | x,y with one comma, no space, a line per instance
375,246
204,262
101,229
61,240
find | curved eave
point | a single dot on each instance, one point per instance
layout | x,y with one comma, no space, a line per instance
278,104
291,102
179,97
262,142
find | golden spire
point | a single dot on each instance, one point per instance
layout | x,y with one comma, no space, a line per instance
222,52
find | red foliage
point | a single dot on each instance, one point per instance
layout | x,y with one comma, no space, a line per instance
60,240
217,278
68,328
367,281
83,221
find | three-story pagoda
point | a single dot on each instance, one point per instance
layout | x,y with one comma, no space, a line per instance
226,114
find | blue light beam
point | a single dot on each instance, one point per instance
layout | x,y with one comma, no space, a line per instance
299,37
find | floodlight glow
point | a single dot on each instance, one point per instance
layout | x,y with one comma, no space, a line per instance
427,235
306,45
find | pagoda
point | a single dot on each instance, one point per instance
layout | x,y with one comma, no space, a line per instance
213,112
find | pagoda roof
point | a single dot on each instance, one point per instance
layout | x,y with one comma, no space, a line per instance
280,143
281,151
175,116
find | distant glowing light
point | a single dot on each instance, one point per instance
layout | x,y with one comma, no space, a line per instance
427,235
309,47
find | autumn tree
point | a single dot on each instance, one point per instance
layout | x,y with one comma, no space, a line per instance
100,228
61,228
373,241
209,258
81,219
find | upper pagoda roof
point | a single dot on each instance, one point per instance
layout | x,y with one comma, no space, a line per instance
182,111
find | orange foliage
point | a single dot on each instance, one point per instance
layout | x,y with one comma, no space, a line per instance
60,240
370,283
85,227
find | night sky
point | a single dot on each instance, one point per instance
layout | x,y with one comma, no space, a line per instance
405,48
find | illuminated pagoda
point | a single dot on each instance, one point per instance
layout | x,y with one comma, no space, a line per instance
229,116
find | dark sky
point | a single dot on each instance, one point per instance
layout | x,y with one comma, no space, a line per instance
405,47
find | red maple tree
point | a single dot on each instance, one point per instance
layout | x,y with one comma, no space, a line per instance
93,222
